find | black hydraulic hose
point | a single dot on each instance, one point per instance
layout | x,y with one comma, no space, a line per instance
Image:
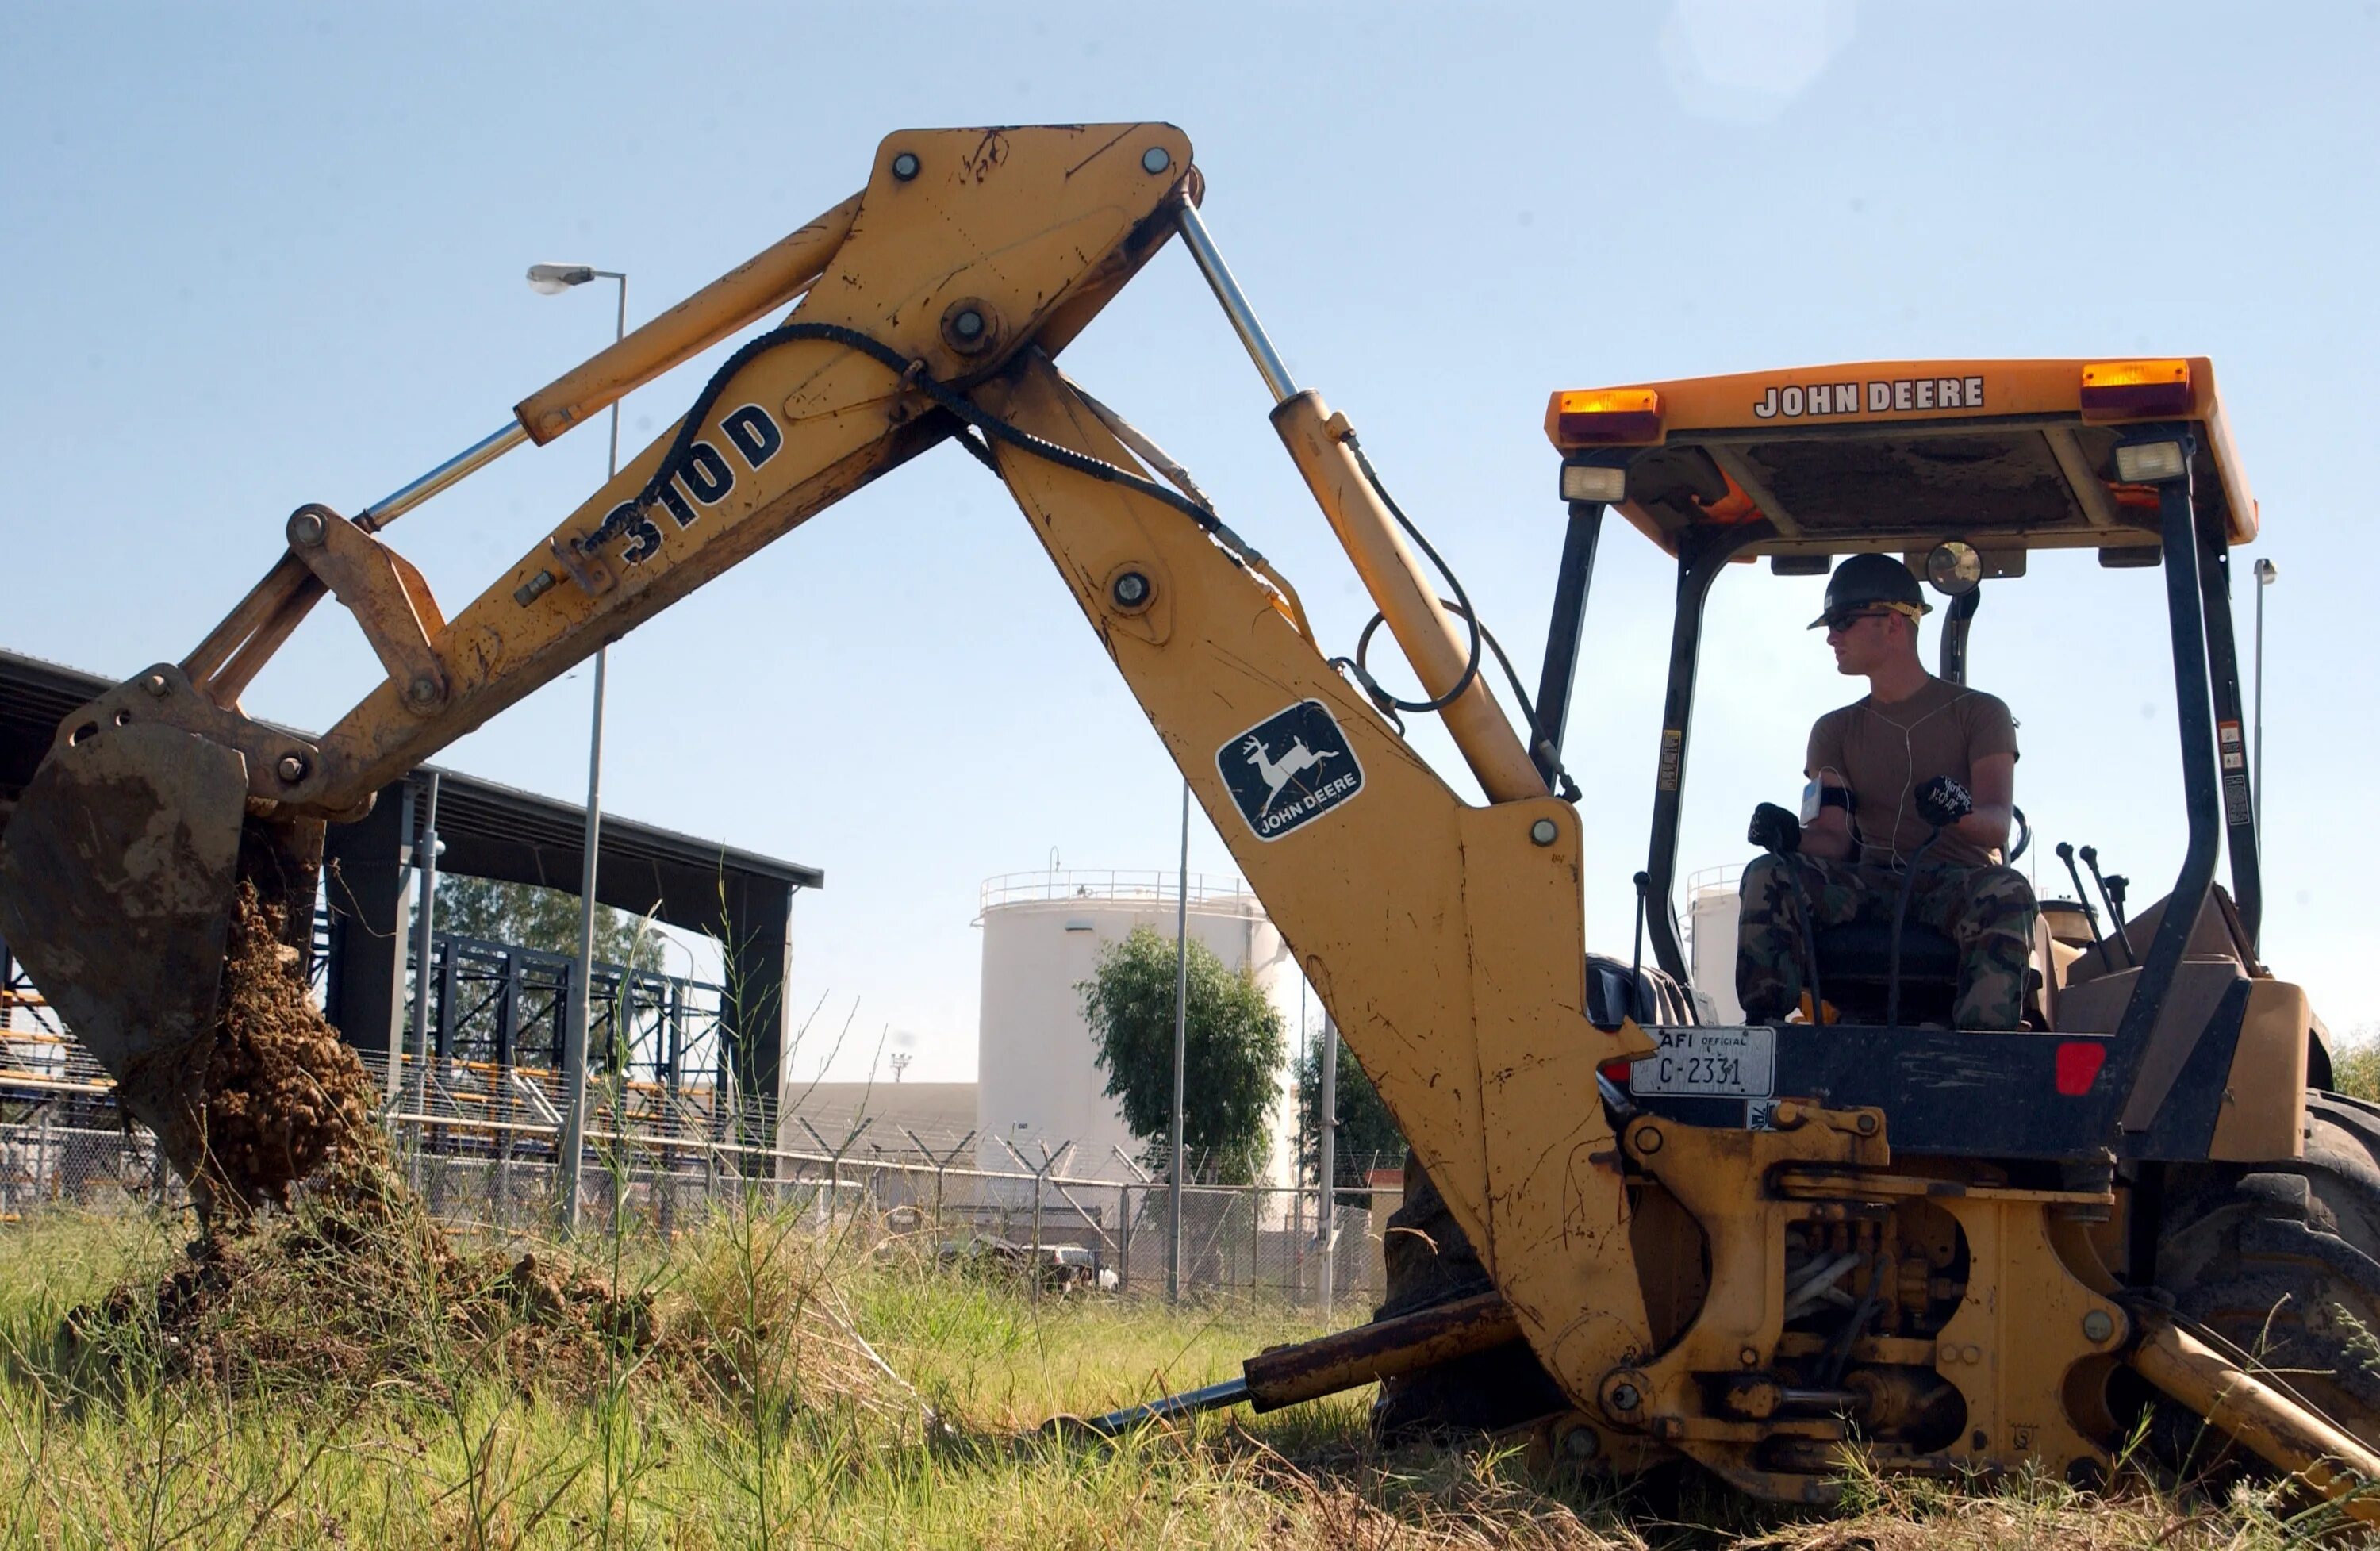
1463,599
992,428
1565,787
911,372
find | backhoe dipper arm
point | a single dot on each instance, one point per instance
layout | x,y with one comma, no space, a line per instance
1447,939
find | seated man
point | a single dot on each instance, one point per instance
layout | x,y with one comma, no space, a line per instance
1862,827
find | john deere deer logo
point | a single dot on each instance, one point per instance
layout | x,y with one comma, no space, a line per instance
1298,759
1316,771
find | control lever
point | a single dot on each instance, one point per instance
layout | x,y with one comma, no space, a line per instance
1637,1008
2112,891
2083,897
1941,802
1779,832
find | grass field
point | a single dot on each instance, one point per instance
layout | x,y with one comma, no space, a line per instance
776,1389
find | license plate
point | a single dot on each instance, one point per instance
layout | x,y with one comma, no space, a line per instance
1708,1062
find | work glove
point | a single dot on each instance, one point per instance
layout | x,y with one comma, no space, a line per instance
1775,830
1943,802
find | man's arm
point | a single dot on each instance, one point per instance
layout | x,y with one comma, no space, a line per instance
1995,792
1829,835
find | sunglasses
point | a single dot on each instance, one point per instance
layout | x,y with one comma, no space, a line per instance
1838,623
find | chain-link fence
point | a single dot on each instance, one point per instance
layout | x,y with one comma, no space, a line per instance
43,1163
1071,1231
1097,1232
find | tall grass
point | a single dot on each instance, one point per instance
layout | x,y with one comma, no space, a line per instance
802,1388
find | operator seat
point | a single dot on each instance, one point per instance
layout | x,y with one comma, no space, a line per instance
1855,970
1856,973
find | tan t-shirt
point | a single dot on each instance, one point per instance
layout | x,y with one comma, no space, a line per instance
1885,752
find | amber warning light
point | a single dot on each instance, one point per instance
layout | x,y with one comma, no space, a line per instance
2135,390
1605,417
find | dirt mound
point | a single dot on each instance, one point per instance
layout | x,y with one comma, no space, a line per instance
318,1268
283,1096
356,1291
355,1286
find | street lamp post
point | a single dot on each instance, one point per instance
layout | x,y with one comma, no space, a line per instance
1326,1216
1180,1049
553,280
2267,574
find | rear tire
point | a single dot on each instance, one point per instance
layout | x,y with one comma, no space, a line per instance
1429,1261
2283,1259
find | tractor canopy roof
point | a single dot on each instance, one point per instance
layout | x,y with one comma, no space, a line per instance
1898,456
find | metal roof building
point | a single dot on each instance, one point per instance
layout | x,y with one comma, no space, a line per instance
741,898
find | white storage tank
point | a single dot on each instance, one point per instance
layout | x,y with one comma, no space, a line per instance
1711,909
1037,1076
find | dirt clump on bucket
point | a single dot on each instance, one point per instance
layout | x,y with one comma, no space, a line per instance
283,1096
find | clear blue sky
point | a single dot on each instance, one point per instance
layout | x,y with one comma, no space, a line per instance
263,255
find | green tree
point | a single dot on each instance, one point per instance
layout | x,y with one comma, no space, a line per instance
545,919
1369,1137
1232,1052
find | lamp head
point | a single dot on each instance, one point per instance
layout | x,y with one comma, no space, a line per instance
552,280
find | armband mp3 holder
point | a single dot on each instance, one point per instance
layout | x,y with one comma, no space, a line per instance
1816,797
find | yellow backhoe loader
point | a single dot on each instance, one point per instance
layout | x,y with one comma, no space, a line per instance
1750,1248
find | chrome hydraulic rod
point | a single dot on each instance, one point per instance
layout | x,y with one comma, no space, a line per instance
1322,446
1230,1392
1236,304
470,461
222,664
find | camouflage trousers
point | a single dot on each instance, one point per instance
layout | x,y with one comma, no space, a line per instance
1987,911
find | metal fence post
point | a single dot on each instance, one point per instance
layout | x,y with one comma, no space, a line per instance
1254,1237
1124,1237
1145,1177
1297,1272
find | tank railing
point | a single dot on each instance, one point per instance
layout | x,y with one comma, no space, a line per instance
1726,878
1019,888
1702,880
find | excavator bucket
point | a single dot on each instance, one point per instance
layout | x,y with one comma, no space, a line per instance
117,873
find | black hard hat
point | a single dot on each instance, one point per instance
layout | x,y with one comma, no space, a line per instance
1866,580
